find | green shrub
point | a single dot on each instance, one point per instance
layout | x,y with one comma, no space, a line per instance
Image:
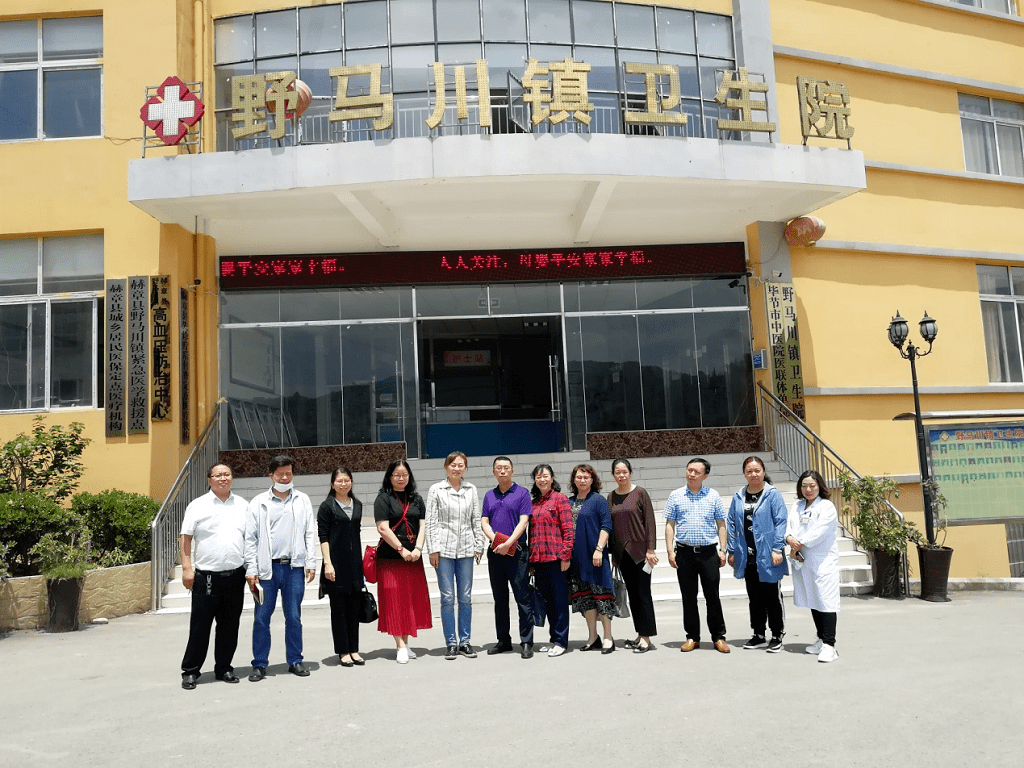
46,461
64,555
24,519
119,521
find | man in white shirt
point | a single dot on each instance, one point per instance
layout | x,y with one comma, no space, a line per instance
215,524
280,545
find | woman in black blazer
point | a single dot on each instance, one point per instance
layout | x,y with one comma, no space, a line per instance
341,577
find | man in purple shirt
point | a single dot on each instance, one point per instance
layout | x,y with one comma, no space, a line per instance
506,511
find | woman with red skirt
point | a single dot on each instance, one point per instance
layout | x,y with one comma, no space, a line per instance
404,604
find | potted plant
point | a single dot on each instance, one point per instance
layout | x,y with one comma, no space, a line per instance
879,528
934,558
63,560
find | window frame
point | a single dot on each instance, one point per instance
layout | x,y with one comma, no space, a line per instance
1001,344
996,123
41,66
94,298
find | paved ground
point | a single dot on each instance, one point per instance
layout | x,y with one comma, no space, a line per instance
917,684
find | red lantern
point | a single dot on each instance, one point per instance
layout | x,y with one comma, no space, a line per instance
805,230
305,98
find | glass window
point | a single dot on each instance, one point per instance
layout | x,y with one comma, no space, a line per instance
411,67
232,38
709,77
634,25
311,383
73,263
611,373
993,133
20,275
724,365
604,75
607,296
689,83
223,76
250,307
70,85
297,306
458,20
714,35
1002,321
671,392
368,303
502,59
18,95
527,298
451,300
63,334
275,33
664,294
365,24
592,23
72,103
716,292
675,30
504,19
315,67
412,21
465,54
74,38
320,28
549,21
19,41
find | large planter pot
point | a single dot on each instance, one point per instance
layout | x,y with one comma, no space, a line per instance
934,562
65,598
885,569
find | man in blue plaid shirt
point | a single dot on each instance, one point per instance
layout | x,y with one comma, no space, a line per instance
695,538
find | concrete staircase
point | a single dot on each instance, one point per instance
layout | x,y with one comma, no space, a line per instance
659,476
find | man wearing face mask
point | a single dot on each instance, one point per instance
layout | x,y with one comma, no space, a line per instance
280,549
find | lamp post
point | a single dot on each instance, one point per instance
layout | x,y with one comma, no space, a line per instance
898,332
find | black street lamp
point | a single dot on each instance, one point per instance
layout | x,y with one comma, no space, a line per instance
898,332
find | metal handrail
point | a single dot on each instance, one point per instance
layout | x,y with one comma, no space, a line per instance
800,448
164,530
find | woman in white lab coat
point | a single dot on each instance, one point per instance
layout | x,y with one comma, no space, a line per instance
811,534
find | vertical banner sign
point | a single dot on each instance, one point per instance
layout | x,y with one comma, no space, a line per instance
138,355
787,376
183,366
160,320
114,374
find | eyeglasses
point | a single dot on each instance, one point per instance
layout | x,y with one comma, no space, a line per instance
400,476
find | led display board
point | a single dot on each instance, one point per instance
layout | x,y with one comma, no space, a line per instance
485,266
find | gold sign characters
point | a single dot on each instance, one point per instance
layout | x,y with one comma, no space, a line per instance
556,91
825,108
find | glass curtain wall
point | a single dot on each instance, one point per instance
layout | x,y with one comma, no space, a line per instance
407,36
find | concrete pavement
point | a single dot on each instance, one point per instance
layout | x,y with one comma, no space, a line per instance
916,684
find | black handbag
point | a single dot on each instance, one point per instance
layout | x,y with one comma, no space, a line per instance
368,609
621,606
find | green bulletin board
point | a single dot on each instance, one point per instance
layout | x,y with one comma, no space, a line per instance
980,470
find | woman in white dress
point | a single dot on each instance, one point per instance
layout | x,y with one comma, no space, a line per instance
811,534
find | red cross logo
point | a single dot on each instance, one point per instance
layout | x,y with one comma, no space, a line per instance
172,111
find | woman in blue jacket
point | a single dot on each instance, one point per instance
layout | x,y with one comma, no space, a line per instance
591,590
757,536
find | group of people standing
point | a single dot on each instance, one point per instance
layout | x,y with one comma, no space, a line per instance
555,552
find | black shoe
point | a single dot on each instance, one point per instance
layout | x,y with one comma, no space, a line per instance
527,651
467,650
360,662
228,677
257,674
299,669
451,653
592,646
757,641
775,645
608,649
499,648
188,682
641,648
350,663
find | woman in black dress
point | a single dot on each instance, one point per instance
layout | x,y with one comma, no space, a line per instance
341,576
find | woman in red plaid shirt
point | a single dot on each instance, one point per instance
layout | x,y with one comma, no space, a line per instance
551,540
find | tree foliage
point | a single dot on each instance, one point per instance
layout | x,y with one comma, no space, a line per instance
46,461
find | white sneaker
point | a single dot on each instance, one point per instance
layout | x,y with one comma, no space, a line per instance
403,656
544,649
411,652
555,651
828,654
815,649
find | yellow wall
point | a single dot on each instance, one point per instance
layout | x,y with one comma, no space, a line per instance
79,185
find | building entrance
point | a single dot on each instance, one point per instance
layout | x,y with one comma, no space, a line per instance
491,385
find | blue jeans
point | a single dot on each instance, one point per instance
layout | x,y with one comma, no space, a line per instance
449,573
291,583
